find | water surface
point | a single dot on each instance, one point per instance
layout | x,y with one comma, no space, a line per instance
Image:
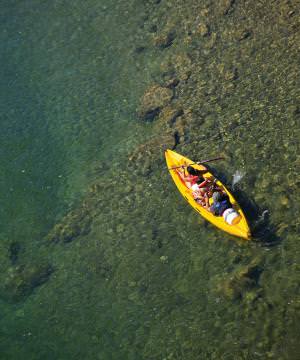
149,279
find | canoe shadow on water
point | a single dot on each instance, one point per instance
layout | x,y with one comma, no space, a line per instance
262,230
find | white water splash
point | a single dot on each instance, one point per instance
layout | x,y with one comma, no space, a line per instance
264,215
237,177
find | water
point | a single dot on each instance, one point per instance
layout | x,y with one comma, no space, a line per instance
100,256
236,178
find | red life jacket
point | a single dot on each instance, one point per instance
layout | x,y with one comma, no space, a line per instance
193,179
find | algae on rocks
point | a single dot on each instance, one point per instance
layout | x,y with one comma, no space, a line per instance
242,281
20,281
154,99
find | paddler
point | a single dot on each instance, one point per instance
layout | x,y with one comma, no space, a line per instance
220,203
193,175
198,184
222,207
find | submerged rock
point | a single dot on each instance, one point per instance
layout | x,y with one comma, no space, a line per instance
146,156
74,224
183,66
242,281
243,34
171,83
203,29
168,117
20,281
231,74
154,99
213,36
164,40
226,6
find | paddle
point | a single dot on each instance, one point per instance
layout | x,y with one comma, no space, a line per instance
198,163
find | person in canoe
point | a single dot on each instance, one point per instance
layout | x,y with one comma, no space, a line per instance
222,207
220,203
192,176
201,187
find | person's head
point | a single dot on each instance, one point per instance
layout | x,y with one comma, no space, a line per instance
200,179
191,170
216,196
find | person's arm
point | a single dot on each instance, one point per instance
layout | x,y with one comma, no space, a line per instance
204,183
183,175
186,176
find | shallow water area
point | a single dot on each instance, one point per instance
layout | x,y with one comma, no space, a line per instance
101,257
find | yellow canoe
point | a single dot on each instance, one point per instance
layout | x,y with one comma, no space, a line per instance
241,229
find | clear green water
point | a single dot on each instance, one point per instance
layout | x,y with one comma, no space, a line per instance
149,280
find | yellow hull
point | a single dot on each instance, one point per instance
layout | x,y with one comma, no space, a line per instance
241,229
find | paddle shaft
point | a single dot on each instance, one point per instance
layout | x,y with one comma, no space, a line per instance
197,163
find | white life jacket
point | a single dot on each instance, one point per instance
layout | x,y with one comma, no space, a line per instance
231,217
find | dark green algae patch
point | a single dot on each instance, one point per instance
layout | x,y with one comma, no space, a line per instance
131,271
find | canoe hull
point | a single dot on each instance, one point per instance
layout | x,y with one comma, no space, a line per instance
242,229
